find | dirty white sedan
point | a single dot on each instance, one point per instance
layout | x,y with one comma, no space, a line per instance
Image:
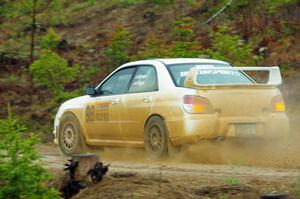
161,104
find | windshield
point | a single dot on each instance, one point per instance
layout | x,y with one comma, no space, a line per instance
180,71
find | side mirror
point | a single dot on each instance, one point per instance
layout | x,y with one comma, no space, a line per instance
90,90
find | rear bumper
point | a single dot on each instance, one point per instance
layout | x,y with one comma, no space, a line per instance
194,128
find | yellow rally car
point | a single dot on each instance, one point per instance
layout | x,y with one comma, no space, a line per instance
164,103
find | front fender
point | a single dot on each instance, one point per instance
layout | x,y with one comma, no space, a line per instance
75,106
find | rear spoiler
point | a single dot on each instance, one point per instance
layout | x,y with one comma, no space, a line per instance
274,78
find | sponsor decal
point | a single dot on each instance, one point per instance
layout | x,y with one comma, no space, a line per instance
97,111
219,72
184,73
102,113
139,80
89,112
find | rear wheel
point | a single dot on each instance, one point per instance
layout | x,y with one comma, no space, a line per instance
156,138
70,137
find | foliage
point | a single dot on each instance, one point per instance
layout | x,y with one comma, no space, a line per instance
184,29
160,1
274,5
16,79
58,18
233,179
82,5
88,73
183,44
25,7
270,6
157,2
62,96
24,21
50,40
134,2
223,197
52,72
185,49
131,2
21,175
153,48
117,52
229,46
298,186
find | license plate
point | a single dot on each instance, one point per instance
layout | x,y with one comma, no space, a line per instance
245,130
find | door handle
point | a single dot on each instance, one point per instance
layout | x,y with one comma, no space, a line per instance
147,99
115,101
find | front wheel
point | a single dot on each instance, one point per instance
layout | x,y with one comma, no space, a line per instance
156,138
70,137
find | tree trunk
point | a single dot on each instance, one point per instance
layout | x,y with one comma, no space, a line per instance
33,31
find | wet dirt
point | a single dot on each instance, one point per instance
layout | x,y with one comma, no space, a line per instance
218,170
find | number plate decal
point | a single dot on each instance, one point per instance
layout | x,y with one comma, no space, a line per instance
245,130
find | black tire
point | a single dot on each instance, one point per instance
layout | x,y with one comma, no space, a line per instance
70,135
156,138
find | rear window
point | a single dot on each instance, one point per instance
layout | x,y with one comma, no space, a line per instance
179,72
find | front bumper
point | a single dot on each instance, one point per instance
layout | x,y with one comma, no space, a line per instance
55,136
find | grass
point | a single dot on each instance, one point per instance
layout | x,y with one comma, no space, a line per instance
223,197
298,186
233,179
135,196
15,79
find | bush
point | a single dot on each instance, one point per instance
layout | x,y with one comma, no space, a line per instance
59,20
64,96
52,71
153,48
184,29
117,52
50,40
233,178
298,186
229,46
21,175
184,44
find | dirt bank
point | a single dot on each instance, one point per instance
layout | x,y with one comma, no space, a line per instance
133,175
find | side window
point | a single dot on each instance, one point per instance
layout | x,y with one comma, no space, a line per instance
145,80
117,83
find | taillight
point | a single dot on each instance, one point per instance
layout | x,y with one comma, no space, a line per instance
196,104
277,104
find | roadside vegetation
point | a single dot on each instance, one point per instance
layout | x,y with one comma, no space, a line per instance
233,178
51,49
21,175
298,186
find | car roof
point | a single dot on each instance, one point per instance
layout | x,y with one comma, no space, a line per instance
189,60
174,61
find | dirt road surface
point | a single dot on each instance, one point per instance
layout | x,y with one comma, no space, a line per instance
204,171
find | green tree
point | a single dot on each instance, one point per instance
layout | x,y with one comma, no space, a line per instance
229,46
164,2
184,44
153,48
28,18
50,40
52,71
117,52
21,175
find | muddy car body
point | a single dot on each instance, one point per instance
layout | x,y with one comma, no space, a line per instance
164,103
